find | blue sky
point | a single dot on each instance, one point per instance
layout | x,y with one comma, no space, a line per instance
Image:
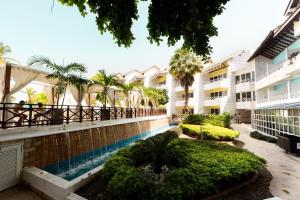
30,28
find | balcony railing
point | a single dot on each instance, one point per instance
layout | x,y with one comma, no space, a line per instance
243,100
29,115
244,81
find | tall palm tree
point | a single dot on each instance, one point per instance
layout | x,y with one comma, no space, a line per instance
61,73
106,81
127,88
30,92
183,66
4,50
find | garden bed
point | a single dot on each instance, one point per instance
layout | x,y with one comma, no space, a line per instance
207,168
209,132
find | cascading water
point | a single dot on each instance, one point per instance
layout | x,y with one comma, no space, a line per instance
86,150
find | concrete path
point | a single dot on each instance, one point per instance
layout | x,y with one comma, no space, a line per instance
18,193
285,168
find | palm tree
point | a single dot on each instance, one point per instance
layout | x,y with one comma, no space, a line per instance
4,49
127,88
183,66
30,92
106,81
158,151
60,73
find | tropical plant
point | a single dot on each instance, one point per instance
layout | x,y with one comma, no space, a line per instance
41,98
194,119
158,151
4,50
187,20
154,96
183,66
30,93
127,88
209,167
106,81
61,73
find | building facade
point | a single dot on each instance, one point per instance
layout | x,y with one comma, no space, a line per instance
277,66
224,86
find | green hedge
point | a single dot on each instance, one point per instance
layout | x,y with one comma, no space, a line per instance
222,120
209,131
211,167
194,119
260,136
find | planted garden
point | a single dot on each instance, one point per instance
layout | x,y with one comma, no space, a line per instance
211,127
166,167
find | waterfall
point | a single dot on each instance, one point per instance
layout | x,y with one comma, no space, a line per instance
71,154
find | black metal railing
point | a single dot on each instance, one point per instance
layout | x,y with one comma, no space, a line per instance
28,115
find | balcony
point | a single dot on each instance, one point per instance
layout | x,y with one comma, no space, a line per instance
223,83
278,99
213,101
245,103
180,102
245,85
276,73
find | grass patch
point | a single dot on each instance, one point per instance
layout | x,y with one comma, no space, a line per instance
209,168
260,136
210,132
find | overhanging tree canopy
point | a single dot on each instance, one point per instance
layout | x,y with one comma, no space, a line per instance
190,20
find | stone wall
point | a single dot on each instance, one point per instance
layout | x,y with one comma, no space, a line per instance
46,150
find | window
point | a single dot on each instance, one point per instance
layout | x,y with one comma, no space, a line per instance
254,97
237,79
238,97
244,96
248,77
215,111
243,77
248,96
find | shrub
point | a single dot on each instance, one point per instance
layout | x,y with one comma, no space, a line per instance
158,151
194,119
128,184
209,131
260,136
211,167
222,120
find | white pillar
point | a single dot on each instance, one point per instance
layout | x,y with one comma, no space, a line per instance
268,93
198,94
289,89
170,83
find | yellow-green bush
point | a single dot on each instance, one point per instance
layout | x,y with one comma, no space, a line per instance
210,132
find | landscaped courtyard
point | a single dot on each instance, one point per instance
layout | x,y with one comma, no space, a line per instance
150,100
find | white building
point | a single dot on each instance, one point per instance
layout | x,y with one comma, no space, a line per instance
224,86
277,66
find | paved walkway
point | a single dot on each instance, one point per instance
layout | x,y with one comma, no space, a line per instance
18,193
285,168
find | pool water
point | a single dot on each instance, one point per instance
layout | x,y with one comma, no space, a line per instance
79,165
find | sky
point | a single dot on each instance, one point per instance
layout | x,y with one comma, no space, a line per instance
30,28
